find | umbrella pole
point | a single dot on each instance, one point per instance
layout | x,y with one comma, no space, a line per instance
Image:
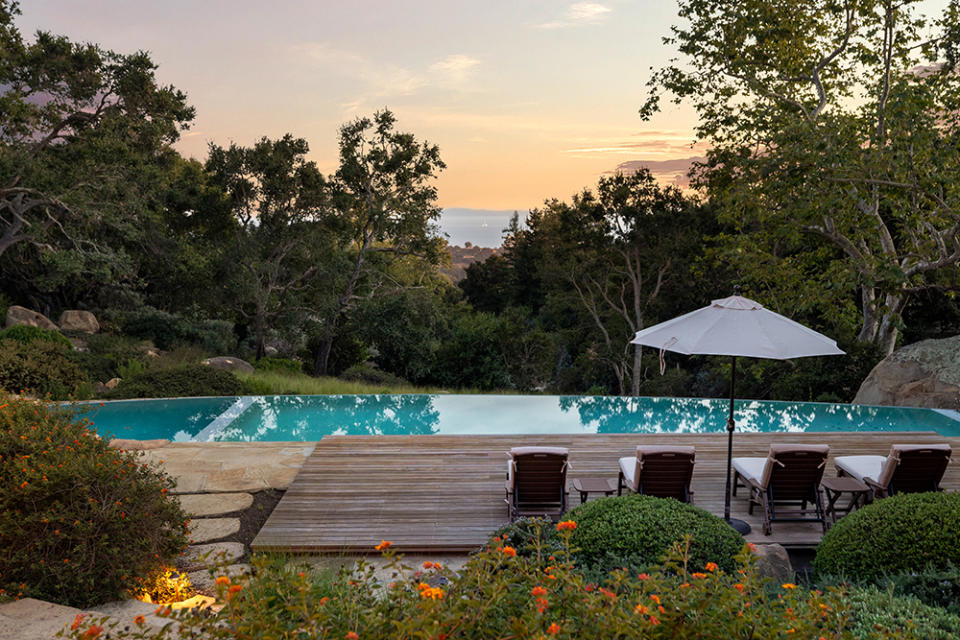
741,526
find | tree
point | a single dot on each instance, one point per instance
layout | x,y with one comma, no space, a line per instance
384,199
280,202
79,127
830,122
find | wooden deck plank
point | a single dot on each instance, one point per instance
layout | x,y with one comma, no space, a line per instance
444,494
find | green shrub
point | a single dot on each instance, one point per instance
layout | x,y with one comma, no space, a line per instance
284,365
638,530
80,522
534,538
903,533
166,330
370,375
875,610
937,586
179,381
499,595
39,367
27,334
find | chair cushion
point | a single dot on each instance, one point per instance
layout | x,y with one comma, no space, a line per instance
628,466
750,468
510,475
665,448
861,467
558,451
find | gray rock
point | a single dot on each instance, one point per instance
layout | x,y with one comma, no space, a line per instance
77,320
210,529
21,315
214,504
922,374
30,619
199,556
205,582
774,562
79,344
228,363
270,351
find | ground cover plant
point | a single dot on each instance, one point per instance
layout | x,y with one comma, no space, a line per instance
80,522
178,381
502,594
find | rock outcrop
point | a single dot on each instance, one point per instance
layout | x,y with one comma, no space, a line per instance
21,315
922,374
77,320
228,363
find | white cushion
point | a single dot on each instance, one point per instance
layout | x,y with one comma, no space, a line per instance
750,468
861,467
558,451
510,474
628,467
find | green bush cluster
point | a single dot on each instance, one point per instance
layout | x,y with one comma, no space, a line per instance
502,594
27,334
371,375
180,381
937,586
80,522
534,538
167,330
876,609
903,533
283,365
636,530
39,368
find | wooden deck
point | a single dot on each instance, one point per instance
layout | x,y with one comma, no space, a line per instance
444,494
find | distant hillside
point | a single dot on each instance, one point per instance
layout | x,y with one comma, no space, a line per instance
461,257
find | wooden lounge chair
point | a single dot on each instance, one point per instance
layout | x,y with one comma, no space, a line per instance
537,482
910,468
789,476
661,471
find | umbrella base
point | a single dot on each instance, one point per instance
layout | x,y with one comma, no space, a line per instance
742,527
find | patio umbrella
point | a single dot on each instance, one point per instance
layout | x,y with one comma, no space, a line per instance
736,326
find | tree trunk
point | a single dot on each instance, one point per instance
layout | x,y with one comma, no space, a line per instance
322,360
637,354
880,325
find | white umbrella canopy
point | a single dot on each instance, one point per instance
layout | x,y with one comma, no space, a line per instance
736,326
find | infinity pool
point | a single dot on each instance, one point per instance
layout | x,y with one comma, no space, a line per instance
307,418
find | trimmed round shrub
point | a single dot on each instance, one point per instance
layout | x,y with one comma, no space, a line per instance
27,334
80,522
903,533
39,368
180,381
637,530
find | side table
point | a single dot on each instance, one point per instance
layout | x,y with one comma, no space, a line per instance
586,486
834,488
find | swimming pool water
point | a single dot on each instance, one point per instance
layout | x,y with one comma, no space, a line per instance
308,418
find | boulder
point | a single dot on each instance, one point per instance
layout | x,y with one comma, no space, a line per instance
21,315
112,383
210,529
922,374
270,351
77,320
79,344
774,562
204,580
201,556
229,363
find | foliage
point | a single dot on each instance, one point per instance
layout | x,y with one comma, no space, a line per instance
80,522
27,334
268,383
875,609
39,367
180,381
534,538
902,533
164,585
284,365
640,529
371,375
168,330
500,594
937,586
471,356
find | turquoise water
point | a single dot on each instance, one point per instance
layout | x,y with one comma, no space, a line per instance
306,418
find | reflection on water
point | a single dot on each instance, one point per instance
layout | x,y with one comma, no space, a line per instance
306,418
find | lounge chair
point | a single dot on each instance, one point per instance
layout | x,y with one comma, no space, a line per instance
910,468
661,471
537,482
789,475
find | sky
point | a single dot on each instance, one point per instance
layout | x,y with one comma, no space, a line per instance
527,100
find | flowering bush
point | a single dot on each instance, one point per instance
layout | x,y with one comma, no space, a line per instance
502,594
79,522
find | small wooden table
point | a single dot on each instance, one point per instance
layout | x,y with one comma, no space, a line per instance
834,488
586,486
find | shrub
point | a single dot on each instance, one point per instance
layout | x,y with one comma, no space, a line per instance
534,538
26,334
80,522
284,365
40,367
371,375
178,381
166,330
875,609
638,530
903,533
935,586
499,595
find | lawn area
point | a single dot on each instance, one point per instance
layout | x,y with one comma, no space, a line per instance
285,383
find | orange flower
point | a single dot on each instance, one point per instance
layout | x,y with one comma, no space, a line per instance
644,576
434,593
655,598
538,591
553,629
711,567
77,621
566,525
640,608
323,600
654,621
542,604
352,635
738,587
607,592
234,589
92,633
788,585
139,620
432,565
224,580
752,547
422,586
509,551
380,547
698,575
